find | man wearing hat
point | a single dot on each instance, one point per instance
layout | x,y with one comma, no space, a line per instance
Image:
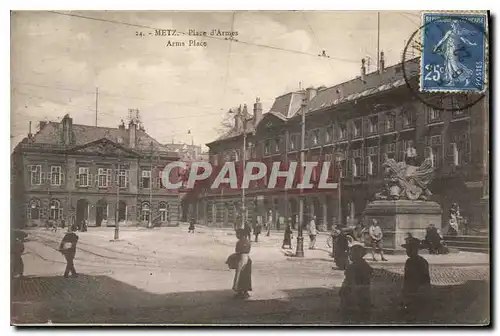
417,280
355,297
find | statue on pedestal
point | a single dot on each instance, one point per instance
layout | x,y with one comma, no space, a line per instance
406,180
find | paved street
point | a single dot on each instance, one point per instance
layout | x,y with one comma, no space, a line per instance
169,276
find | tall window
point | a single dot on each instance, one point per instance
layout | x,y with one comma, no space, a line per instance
371,160
356,163
357,128
390,150
146,179
55,175
373,124
215,160
34,209
459,149
103,177
35,174
294,140
434,115
123,178
315,137
434,150
407,116
267,147
390,122
329,134
83,176
277,145
55,210
164,213
342,131
145,212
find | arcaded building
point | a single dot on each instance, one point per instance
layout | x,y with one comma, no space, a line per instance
366,119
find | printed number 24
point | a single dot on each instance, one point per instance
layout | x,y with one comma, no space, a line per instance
433,73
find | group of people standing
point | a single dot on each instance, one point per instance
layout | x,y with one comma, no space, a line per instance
355,294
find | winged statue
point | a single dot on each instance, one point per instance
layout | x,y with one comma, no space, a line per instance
406,180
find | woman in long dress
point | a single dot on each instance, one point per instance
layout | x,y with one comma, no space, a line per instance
449,47
242,283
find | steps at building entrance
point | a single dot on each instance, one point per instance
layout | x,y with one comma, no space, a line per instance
469,243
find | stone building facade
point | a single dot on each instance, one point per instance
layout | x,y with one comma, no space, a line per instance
366,119
102,175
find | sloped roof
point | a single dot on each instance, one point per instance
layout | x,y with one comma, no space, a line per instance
51,134
287,104
356,88
234,132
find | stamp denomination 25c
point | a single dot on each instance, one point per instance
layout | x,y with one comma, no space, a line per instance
454,53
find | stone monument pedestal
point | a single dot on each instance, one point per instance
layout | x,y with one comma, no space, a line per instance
397,218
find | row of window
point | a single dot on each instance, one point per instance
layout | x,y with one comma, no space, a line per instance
85,179
56,211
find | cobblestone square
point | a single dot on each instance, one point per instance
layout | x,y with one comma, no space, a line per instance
169,276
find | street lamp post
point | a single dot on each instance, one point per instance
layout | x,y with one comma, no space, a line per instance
244,158
117,212
338,158
300,234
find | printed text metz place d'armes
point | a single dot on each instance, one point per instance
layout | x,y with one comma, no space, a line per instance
193,33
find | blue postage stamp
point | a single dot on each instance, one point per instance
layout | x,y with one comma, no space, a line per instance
454,52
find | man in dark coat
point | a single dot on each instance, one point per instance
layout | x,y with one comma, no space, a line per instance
433,239
417,282
341,256
68,249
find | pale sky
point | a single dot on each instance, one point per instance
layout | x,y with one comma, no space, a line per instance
57,62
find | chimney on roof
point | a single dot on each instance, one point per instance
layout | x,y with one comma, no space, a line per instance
310,93
30,135
122,125
132,131
67,124
363,69
257,111
237,119
41,125
382,62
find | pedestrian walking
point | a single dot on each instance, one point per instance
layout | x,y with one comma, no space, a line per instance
191,225
416,283
242,283
16,255
376,237
68,249
248,230
341,255
312,232
287,239
63,224
355,296
85,225
257,230
54,227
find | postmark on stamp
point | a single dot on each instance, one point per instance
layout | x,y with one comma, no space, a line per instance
453,53
445,61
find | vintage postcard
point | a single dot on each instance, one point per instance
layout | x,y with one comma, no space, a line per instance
250,168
